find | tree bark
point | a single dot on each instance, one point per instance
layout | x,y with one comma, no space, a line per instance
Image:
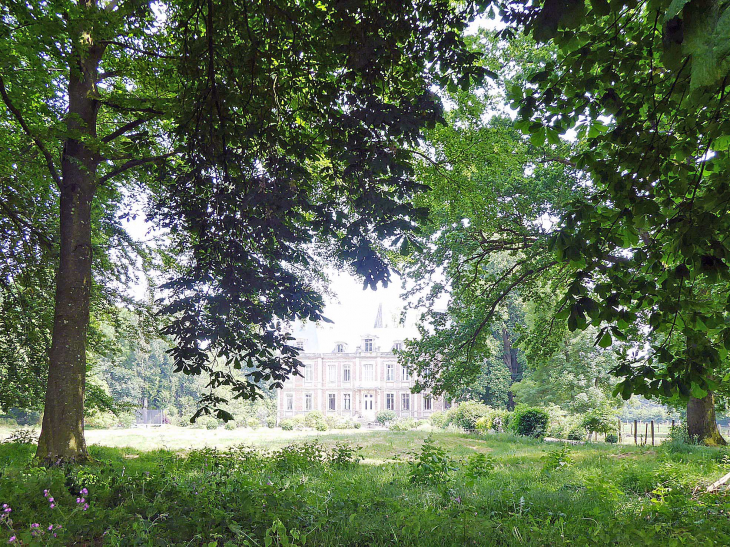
62,431
510,360
701,422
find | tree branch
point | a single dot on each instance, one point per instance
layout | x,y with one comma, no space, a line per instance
19,117
19,221
131,164
123,129
139,50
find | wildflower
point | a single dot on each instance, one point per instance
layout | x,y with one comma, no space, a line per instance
50,527
35,525
80,500
45,493
50,500
84,491
7,509
12,539
86,506
53,506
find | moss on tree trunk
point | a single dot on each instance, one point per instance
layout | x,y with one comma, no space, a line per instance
701,423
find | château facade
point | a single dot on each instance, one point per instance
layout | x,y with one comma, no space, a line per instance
354,379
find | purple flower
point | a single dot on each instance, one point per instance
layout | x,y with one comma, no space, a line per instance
86,506
80,500
50,500
7,510
53,506
12,539
84,491
50,527
35,525
45,493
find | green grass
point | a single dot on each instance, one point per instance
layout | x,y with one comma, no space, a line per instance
608,495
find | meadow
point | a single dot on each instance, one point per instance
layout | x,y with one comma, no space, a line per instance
366,488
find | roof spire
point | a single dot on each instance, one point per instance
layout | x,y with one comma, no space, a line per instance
379,317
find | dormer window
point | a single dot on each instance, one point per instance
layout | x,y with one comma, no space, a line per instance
368,344
340,348
397,346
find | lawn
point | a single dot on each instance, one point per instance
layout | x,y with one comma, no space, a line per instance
468,490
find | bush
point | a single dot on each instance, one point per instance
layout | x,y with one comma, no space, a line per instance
357,425
385,416
500,420
529,422
287,425
479,465
211,424
433,465
22,436
332,422
576,434
230,426
611,438
439,419
404,424
466,414
483,424
599,420
253,423
271,422
313,418
321,426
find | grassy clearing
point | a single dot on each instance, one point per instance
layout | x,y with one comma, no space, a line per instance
591,495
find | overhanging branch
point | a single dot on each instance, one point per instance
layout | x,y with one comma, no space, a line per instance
19,117
130,165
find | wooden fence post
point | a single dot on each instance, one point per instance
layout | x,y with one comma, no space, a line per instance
619,430
652,432
646,432
636,431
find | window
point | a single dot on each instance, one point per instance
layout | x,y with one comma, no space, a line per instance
405,401
308,401
368,344
447,404
346,401
427,402
390,401
397,346
300,344
390,372
340,348
289,401
332,374
368,402
368,372
308,373
346,372
406,374
332,401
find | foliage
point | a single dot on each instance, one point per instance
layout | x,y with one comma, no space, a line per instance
611,438
529,422
601,420
655,152
287,425
235,496
404,424
385,416
432,466
576,434
439,419
22,436
479,465
466,414
560,458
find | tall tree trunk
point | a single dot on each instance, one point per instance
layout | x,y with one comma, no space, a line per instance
62,432
701,422
510,360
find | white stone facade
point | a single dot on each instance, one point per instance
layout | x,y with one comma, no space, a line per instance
356,384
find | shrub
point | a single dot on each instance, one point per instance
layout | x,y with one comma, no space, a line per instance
357,425
483,424
332,422
500,420
211,424
230,426
345,455
313,418
299,456
439,419
433,465
287,425
599,420
271,422
611,438
466,414
22,436
299,421
557,459
479,465
321,426
576,434
404,424
529,422
253,423
385,416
